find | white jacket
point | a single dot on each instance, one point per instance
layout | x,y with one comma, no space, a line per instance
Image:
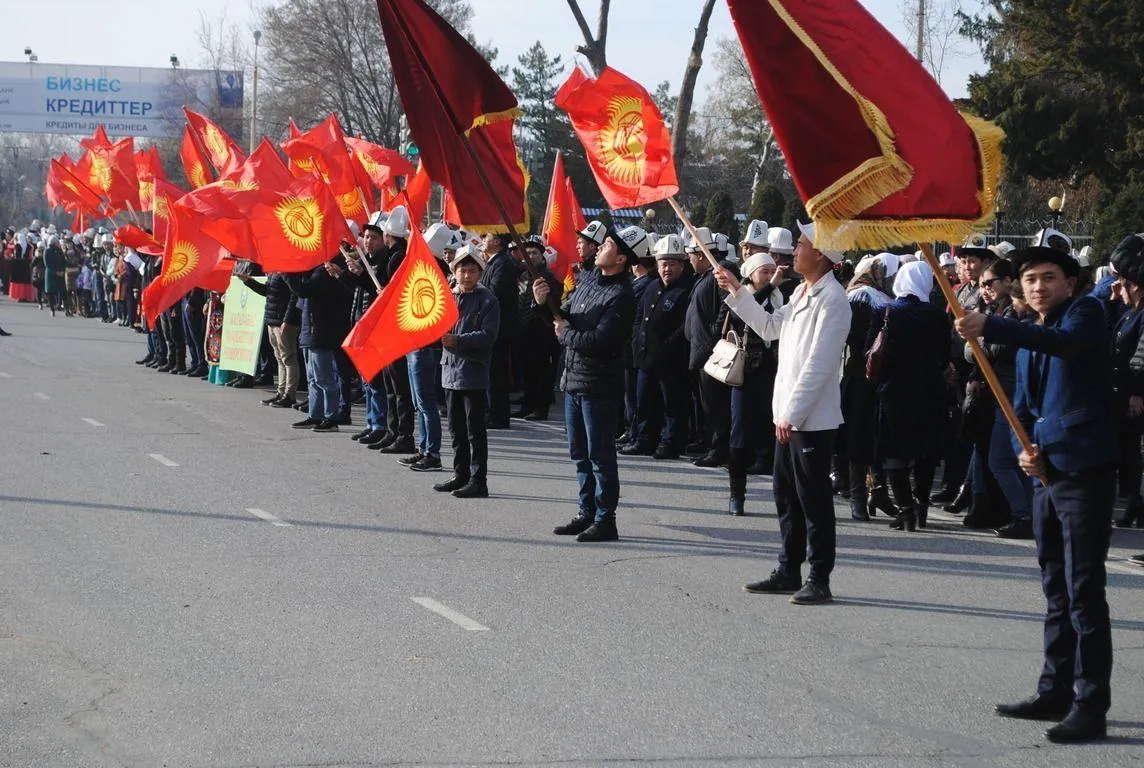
812,332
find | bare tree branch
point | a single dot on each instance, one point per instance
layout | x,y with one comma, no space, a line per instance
594,48
687,87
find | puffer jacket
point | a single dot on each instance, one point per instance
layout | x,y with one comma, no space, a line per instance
325,308
466,366
600,312
281,301
702,328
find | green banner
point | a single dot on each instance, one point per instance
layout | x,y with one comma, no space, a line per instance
243,316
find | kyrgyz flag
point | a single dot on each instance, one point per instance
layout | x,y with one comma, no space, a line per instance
324,149
449,90
878,152
138,239
163,199
298,227
415,309
579,223
559,224
65,189
189,256
223,152
416,195
149,167
623,133
381,165
110,172
452,215
98,139
195,163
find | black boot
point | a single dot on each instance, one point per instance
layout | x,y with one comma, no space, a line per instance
880,496
713,458
859,506
145,360
981,513
577,525
840,476
906,519
604,530
738,473
1133,513
961,501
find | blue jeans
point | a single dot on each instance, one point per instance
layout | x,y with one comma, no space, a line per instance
374,392
424,380
591,422
193,329
1015,484
322,375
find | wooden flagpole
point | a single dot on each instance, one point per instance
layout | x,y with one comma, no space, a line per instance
691,228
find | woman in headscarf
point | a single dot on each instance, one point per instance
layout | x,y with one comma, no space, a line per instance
54,265
20,286
910,415
854,449
751,402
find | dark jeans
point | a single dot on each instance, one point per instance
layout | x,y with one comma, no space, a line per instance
538,353
1072,522
1131,462
499,410
470,436
805,504
661,409
591,423
194,328
399,399
716,399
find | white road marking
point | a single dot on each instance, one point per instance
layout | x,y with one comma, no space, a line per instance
162,460
41,396
445,611
92,422
5,375
269,517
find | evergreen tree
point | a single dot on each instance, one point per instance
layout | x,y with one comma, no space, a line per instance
769,204
793,212
721,216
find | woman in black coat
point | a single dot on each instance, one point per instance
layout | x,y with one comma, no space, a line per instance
910,418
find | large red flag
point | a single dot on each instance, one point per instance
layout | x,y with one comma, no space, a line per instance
98,139
383,165
623,133
163,199
134,237
223,152
195,163
579,223
449,91
416,308
324,148
417,192
110,172
189,256
148,166
559,224
878,152
65,189
298,227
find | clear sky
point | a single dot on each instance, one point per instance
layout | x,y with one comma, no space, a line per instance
649,40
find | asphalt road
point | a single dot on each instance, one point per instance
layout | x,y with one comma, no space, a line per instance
185,581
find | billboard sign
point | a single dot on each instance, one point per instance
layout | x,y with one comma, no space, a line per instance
127,101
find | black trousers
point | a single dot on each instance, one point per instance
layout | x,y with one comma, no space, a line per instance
538,351
716,399
469,433
499,408
806,504
1131,461
1072,522
398,399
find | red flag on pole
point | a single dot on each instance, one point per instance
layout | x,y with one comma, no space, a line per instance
559,224
97,140
879,160
416,194
148,166
164,197
416,308
381,164
449,90
110,172
623,133
65,189
324,148
195,163
134,237
223,152
189,255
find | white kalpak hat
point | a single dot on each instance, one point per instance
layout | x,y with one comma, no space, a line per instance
595,232
808,231
781,241
550,255
669,247
757,234
633,241
468,251
376,221
947,260
1084,258
397,224
438,237
705,237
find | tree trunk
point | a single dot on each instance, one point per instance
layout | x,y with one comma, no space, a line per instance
687,87
595,47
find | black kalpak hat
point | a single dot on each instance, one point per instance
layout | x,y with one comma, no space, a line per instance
1039,254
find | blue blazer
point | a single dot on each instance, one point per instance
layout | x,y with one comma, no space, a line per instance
1070,414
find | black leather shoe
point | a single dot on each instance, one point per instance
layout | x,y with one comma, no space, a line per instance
623,439
1037,707
711,459
604,530
944,496
305,424
244,383
1077,728
272,400
359,435
961,501
287,403
665,452
779,582
451,485
145,360
409,461
1018,529
403,445
472,490
636,450
326,425
386,440
165,368
576,525
880,501
735,506
858,510
372,437
178,371
812,593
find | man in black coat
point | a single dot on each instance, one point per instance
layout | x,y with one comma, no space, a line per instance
538,348
501,277
358,279
399,396
702,331
659,352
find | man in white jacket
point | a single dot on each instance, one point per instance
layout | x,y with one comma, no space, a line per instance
811,330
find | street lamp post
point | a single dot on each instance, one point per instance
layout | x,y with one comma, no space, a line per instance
254,97
1055,206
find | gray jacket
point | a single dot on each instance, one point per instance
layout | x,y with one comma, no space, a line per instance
466,366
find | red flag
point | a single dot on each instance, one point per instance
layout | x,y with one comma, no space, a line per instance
623,133
223,152
218,279
454,94
98,140
880,160
324,147
416,308
164,197
452,215
195,163
298,227
417,193
559,224
110,172
189,256
383,165
65,188
134,237
149,166
577,212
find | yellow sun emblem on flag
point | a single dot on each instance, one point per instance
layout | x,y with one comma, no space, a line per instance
100,174
184,258
198,175
622,140
215,142
160,207
301,222
372,167
146,192
555,216
351,203
304,164
422,302
243,185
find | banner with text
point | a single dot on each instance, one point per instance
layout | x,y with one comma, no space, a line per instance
243,315
127,101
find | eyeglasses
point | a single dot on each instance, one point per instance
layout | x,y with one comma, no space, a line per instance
989,283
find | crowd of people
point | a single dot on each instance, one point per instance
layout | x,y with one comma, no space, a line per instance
772,357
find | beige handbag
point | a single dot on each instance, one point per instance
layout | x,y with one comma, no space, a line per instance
728,361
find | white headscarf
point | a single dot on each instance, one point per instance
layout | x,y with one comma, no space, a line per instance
914,279
891,261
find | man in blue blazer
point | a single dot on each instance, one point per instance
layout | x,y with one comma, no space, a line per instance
1064,398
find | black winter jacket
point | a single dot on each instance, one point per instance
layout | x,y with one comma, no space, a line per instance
702,327
600,312
657,342
325,309
281,301
501,276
